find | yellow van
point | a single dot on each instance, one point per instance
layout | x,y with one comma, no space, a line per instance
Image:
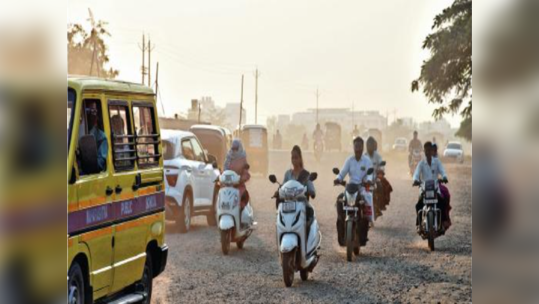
116,192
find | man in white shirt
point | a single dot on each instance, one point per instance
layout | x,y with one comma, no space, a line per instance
430,168
356,166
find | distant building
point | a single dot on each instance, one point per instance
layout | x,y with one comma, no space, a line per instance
282,122
233,115
343,116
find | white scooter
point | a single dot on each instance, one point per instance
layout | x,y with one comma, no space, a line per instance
298,243
234,225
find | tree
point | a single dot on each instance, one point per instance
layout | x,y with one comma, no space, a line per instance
80,50
446,77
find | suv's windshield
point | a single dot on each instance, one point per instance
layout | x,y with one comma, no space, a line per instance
70,108
454,146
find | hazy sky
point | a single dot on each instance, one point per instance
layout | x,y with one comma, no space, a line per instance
366,52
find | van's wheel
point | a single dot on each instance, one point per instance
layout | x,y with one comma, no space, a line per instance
350,244
145,284
183,221
430,223
76,286
304,274
225,241
212,216
289,267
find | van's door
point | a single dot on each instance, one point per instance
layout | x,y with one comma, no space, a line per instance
130,232
93,219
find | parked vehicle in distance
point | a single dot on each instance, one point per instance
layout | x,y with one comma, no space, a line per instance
400,145
453,151
190,174
116,198
332,137
255,142
214,140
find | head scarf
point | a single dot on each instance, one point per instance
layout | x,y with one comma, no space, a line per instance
233,155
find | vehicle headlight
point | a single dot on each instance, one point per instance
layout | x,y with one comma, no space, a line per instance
351,199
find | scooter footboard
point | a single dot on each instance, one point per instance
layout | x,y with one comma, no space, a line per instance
288,242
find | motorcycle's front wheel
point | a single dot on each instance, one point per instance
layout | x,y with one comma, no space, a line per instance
349,240
431,232
225,241
289,267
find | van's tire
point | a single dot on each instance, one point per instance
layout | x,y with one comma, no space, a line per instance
350,240
146,282
183,220
212,215
76,286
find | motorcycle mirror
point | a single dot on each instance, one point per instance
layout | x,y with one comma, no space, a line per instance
273,179
335,171
313,176
383,163
370,171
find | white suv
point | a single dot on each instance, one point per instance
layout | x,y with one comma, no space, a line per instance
190,174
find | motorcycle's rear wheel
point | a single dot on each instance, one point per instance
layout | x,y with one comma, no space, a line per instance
225,241
289,267
349,240
431,232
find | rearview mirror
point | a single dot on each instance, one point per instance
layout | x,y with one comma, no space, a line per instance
88,153
370,171
273,179
313,176
383,163
335,171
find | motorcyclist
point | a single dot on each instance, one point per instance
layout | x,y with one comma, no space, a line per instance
443,190
415,144
430,168
383,185
305,142
356,166
236,160
318,136
298,173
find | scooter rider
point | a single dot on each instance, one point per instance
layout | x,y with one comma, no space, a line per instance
356,166
301,175
236,160
429,169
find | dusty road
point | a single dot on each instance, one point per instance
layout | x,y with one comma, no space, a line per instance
395,267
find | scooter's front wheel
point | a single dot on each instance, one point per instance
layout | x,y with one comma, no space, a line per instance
225,241
289,267
430,223
349,240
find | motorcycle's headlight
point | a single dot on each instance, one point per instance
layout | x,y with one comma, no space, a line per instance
351,199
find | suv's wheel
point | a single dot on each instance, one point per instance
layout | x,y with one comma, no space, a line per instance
212,215
183,221
76,286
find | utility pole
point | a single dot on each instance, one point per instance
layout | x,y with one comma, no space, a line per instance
317,96
257,74
199,111
143,49
241,103
157,87
150,49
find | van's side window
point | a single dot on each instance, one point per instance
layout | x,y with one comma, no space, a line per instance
122,138
187,150
197,149
147,139
92,124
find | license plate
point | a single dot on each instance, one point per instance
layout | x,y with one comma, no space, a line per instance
430,194
347,208
431,201
289,206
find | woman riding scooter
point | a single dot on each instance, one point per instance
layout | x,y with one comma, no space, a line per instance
236,160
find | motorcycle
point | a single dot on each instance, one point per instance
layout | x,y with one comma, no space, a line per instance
430,216
318,148
416,158
298,240
357,213
235,225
